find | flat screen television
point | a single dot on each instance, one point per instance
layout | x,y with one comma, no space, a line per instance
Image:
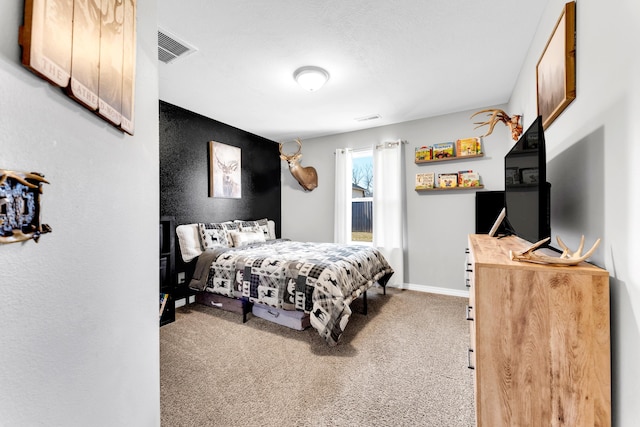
527,192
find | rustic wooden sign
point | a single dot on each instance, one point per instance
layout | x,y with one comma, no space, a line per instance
88,48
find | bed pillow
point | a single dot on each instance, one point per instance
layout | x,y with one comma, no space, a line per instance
261,225
241,238
272,229
214,235
189,241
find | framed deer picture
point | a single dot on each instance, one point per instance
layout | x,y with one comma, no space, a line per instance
224,171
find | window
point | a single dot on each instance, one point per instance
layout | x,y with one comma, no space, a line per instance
362,197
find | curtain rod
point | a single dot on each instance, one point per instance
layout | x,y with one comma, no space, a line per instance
400,141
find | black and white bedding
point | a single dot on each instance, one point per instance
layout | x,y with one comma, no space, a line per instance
321,279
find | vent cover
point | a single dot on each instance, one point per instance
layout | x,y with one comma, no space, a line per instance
367,118
170,48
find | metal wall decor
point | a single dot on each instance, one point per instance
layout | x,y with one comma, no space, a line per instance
88,48
20,206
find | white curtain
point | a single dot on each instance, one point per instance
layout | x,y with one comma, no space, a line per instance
388,201
342,215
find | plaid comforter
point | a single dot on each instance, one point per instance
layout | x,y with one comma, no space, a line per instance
319,278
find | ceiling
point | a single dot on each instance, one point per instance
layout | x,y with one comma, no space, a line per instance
400,59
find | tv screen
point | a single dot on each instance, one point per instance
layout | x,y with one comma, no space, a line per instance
527,192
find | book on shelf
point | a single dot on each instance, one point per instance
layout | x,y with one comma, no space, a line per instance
424,153
447,180
425,181
511,176
468,147
468,179
163,302
443,150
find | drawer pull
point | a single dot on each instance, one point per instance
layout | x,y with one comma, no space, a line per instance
469,308
216,304
468,282
469,365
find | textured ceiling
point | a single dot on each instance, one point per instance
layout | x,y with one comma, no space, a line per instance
401,59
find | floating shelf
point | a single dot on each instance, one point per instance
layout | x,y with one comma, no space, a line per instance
472,156
478,187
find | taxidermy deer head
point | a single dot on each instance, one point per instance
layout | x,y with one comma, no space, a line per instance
306,176
500,116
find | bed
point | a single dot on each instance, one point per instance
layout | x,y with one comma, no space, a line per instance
243,260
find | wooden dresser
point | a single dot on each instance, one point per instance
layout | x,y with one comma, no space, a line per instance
539,339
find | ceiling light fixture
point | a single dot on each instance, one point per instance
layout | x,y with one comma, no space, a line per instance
311,78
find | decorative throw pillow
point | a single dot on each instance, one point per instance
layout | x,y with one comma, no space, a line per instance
256,226
189,241
213,235
268,229
241,238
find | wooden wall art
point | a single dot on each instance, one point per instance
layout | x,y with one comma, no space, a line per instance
88,48
20,206
556,69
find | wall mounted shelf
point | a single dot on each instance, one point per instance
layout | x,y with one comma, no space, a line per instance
473,156
479,187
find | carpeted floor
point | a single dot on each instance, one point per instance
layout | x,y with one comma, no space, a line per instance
404,364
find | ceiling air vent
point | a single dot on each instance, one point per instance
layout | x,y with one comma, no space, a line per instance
367,118
171,48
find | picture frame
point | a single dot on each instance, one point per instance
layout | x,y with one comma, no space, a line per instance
556,68
225,171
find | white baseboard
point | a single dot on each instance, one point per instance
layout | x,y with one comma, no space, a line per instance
432,290
408,286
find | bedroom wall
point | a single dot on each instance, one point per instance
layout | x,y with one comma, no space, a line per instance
438,222
79,315
592,152
184,170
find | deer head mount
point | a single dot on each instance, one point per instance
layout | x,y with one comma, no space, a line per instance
496,116
306,176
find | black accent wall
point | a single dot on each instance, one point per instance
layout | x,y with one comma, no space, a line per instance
184,170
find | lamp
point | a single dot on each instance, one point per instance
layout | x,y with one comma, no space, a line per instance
311,78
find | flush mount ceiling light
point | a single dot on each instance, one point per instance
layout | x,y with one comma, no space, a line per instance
311,78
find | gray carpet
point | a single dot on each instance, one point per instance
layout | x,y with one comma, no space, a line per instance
404,364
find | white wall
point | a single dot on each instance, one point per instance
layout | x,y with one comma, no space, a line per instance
438,222
601,126
593,146
79,318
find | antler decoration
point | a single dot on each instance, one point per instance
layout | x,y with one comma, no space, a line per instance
567,258
496,116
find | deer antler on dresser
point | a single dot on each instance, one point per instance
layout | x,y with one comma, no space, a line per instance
495,116
566,258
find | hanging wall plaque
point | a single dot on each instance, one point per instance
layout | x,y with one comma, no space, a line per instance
20,206
88,48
